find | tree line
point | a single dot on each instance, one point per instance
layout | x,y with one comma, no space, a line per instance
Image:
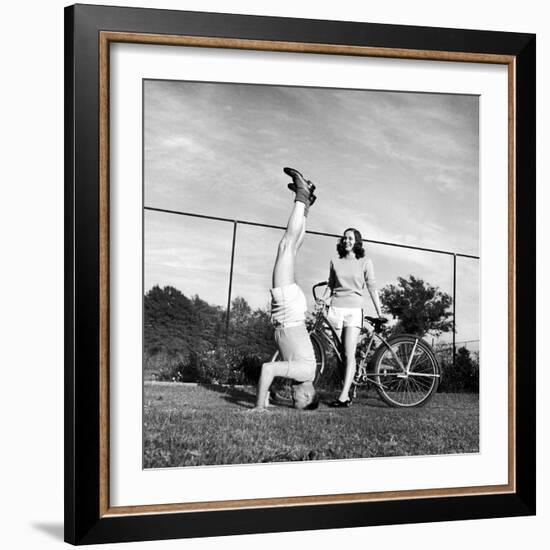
185,338
188,339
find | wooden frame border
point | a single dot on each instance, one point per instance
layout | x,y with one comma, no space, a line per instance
105,40
104,524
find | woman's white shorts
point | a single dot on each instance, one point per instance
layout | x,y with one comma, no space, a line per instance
345,317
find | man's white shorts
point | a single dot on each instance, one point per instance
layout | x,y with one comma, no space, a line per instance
288,306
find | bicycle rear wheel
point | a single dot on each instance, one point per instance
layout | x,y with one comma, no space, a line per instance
401,389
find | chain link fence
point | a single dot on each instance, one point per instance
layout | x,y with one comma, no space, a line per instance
244,269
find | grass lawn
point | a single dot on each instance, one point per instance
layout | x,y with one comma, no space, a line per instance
188,425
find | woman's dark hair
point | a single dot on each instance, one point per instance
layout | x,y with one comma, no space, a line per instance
357,247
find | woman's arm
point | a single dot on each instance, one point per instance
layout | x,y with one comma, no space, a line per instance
327,293
370,281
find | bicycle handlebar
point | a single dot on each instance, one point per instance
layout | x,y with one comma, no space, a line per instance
322,283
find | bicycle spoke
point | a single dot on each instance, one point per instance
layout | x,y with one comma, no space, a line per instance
420,388
412,388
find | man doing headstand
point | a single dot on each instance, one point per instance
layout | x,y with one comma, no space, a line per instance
288,307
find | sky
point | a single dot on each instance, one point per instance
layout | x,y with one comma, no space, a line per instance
400,167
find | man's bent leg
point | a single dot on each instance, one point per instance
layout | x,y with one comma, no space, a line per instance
269,372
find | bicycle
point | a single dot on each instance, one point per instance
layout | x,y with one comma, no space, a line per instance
403,368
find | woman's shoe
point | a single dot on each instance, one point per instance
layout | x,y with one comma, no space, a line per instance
337,404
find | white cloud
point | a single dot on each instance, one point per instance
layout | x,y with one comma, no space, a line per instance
400,167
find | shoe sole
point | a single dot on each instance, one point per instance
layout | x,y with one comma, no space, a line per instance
311,186
344,405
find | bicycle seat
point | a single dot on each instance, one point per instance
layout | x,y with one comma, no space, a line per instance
376,322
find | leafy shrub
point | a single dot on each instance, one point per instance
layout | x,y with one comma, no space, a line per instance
185,339
419,306
217,366
222,365
164,366
251,368
464,376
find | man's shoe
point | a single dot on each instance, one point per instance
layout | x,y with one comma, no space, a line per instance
312,197
310,185
298,181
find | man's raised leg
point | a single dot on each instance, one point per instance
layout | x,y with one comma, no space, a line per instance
283,275
283,271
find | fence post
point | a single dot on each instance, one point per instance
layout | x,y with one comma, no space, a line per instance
454,310
230,279
255,224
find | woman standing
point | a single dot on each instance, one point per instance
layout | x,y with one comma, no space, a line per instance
350,273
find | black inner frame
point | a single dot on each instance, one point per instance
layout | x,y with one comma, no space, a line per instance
83,524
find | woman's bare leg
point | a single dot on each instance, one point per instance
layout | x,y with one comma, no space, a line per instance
350,335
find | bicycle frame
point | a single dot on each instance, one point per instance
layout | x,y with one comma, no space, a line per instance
333,341
392,365
362,376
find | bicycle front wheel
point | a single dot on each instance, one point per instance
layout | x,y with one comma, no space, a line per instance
406,371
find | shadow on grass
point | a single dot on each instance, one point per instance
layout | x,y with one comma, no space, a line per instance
364,398
243,398
374,402
246,399
232,394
